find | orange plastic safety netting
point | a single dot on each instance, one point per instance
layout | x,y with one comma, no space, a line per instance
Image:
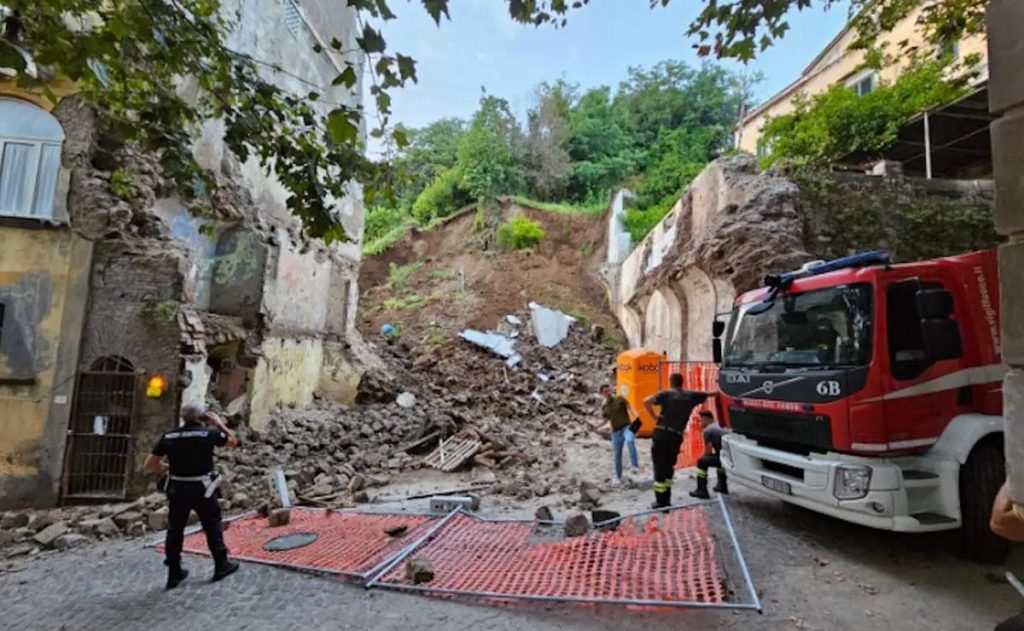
661,559
346,543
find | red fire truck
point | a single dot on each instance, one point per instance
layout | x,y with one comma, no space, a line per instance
872,392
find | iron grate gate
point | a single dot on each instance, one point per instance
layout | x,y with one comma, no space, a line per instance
100,434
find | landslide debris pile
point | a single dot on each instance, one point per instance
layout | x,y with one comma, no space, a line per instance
334,455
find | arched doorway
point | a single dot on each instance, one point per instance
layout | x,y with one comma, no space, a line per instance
98,452
663,324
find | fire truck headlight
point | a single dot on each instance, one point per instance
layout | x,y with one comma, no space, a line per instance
852,482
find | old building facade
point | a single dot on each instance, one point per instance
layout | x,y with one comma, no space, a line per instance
119,309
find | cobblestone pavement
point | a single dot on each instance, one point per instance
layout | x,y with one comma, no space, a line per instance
813,573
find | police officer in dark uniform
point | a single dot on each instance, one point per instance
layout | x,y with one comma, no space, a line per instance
676,406
192,485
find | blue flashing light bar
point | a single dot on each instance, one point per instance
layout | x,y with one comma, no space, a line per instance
863,259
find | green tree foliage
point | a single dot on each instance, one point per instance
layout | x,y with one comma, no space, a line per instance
441,198
490,155
128,58
547,154
838,123
431,151
520,233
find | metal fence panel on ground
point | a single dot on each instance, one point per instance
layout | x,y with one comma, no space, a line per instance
348,543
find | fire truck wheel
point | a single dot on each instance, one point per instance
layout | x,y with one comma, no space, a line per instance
980,479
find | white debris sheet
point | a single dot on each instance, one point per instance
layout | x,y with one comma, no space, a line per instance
549,325
495,342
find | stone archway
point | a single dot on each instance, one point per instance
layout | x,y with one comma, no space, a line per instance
663,324
702,304
632,326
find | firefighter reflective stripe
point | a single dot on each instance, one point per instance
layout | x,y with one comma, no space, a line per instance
660,486
702,473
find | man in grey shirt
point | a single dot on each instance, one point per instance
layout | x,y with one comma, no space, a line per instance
713,433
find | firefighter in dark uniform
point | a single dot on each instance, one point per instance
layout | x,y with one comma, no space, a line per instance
676,407
192,485
713,433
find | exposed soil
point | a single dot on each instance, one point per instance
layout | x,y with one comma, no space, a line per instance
433,304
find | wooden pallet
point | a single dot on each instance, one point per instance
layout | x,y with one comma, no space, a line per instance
452,453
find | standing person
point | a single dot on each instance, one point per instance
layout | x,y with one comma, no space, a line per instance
1008,522
676,406
192,485
619,414
713,433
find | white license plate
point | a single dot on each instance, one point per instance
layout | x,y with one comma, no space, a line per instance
776,485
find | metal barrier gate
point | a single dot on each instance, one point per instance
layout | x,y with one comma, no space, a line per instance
99,447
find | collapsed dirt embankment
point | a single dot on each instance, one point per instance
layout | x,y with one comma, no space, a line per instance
523,422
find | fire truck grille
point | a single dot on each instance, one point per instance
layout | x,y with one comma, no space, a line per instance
793,430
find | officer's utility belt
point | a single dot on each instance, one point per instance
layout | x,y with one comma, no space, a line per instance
669,429
210,481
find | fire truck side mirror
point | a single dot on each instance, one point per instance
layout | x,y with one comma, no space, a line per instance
716,350
939,331
717,329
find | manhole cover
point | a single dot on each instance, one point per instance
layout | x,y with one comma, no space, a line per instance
290,542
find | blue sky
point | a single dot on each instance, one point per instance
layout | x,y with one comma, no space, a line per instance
482,46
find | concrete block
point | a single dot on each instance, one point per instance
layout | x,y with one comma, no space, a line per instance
1013,410
1005,25
1011,298
1008,169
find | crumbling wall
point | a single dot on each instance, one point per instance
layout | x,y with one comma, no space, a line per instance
912,218
735,223
43,271
731,223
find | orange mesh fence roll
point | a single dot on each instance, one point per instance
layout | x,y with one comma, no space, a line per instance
661,559
702,377
347,543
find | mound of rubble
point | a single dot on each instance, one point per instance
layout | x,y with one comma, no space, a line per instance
515,416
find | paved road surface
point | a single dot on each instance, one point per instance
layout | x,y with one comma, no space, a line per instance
813,572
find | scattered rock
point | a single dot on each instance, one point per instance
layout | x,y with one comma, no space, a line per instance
127,518
357,483
406,400
69,541
279,517
544,514
18,550
362,497
158,519
103,527
419,569
48,535
41,521
590,495
577,525
13,520
241,500
396,531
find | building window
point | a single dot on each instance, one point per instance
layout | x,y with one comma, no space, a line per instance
949,50
864,83
30,143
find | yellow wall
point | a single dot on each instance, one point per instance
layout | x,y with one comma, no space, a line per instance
50,259
287,374
841,64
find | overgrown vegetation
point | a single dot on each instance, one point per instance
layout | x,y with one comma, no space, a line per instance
399,275
520,233
837,123
655,132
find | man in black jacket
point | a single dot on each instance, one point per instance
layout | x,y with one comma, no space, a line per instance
192,485
676,407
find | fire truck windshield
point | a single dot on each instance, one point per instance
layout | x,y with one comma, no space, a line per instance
828,327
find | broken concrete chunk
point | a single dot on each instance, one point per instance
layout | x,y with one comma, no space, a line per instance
279,517
406,400
577,525
492,341
13,520
357,483
158,519
544,514
103,527
127,518
69,541
48,535
419,569
40,521
397,530
361,497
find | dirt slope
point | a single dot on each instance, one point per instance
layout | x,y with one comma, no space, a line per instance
416,286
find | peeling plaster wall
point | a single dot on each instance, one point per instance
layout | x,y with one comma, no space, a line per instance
287,374
43,276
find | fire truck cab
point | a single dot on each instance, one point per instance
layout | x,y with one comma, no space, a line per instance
872,392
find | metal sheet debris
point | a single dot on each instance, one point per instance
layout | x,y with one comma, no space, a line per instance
495,342
549,325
